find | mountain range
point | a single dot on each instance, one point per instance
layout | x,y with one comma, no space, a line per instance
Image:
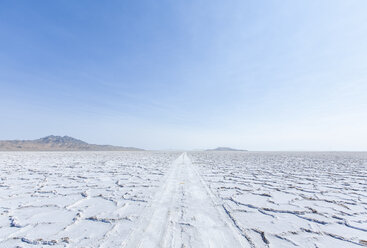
58,143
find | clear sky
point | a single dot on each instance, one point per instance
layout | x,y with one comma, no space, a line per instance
258,75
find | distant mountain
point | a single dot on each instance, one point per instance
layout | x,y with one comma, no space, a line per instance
223,149
58,143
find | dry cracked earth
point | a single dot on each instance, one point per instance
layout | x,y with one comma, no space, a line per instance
113,199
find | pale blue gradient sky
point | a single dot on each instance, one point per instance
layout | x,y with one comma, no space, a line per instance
258,75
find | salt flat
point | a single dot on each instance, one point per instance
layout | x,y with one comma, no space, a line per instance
75,199
291,199
170,199
185,214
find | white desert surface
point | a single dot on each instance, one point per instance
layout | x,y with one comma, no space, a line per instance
193,199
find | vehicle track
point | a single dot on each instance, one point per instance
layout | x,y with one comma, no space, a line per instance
185,213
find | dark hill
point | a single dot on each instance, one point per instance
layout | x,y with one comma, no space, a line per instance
221,149
58,143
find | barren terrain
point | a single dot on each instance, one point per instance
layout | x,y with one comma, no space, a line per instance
171,199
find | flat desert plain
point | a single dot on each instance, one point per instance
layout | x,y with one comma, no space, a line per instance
183,199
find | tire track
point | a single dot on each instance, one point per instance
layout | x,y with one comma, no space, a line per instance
185,214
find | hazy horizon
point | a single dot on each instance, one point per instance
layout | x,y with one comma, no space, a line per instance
184,75
193,149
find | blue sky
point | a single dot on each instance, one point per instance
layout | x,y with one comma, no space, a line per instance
258,75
